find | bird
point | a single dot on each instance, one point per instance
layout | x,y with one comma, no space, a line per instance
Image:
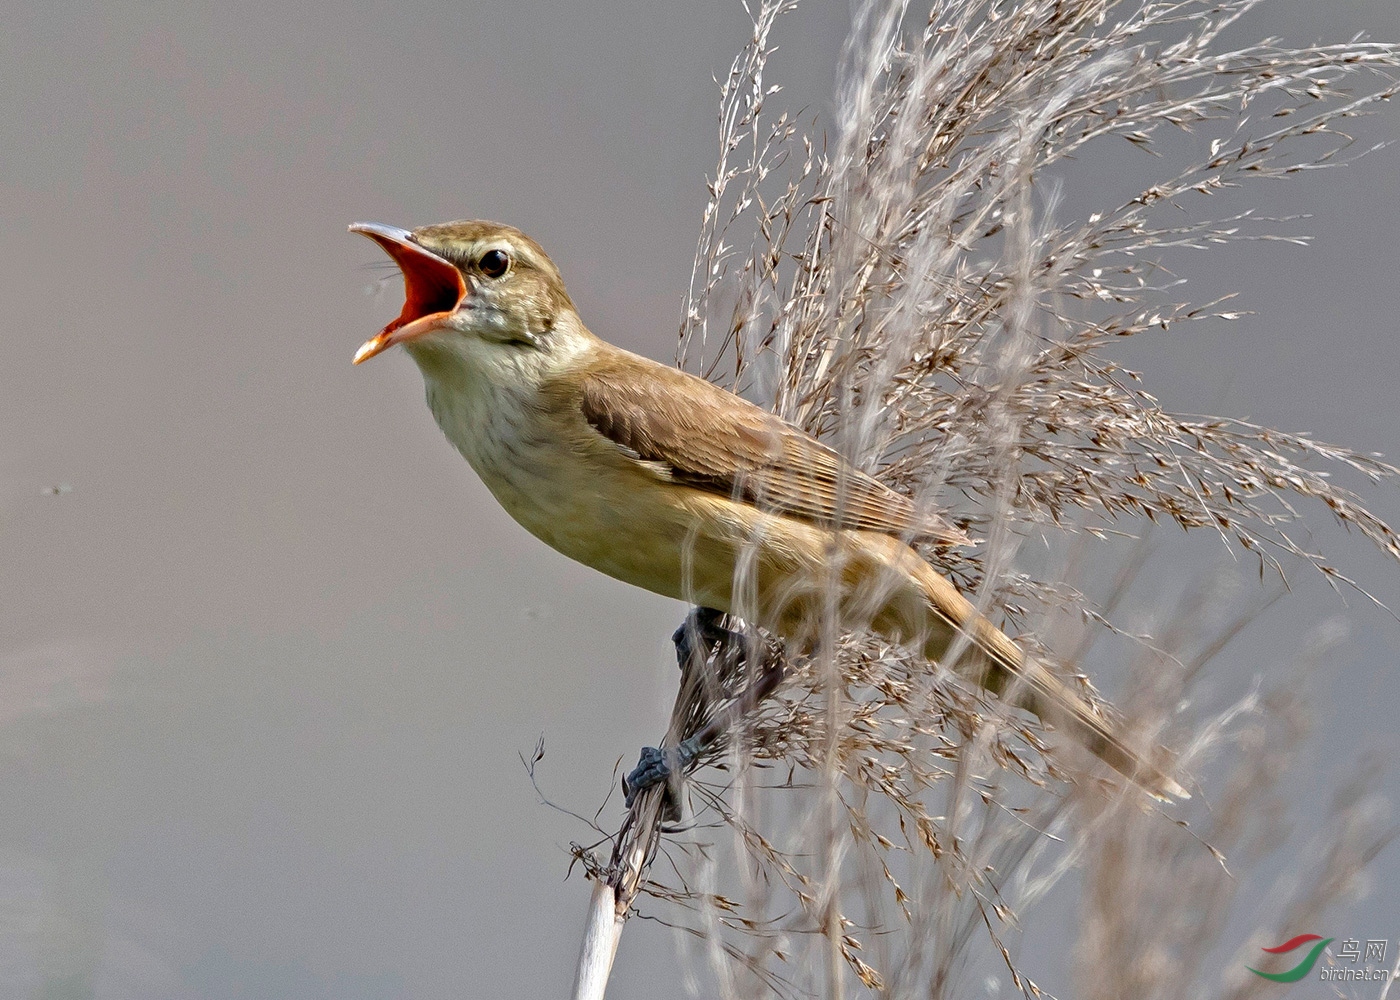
666,481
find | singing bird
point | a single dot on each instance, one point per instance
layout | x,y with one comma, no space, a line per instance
666,481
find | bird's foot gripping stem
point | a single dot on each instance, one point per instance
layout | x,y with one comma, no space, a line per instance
657,765
712,659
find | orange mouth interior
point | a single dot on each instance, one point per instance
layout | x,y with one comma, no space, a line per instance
431,285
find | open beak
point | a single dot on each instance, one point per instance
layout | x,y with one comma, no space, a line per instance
433,288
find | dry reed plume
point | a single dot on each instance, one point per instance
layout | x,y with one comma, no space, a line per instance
906,286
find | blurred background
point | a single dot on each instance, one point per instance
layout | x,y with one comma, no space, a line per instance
269,652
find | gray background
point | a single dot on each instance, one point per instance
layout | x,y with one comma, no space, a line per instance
266,669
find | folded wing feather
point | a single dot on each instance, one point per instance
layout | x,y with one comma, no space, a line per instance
698,434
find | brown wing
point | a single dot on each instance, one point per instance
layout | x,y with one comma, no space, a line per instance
698,434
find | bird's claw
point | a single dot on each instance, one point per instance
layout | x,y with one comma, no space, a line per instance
651,768
702,642
656,765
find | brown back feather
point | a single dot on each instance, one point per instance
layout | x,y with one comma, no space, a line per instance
705,437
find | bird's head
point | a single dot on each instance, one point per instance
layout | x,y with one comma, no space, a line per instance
467,284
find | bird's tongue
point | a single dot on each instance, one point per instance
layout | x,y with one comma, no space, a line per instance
432,286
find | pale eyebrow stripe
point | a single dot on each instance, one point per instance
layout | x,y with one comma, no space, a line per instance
519,251
524,253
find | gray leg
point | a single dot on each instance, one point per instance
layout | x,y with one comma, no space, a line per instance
704,643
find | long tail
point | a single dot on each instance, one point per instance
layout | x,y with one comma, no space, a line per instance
1033,687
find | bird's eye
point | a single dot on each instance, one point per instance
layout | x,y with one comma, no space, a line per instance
494,263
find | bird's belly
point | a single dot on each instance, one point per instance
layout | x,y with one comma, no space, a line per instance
707,549
681,543
617,528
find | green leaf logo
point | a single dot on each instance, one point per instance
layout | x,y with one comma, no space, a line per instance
1302,968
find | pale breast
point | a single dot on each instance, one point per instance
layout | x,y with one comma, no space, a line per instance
545,479
579,494
498,431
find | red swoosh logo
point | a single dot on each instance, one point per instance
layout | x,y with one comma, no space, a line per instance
1292,943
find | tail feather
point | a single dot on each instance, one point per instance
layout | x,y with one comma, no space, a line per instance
1006,669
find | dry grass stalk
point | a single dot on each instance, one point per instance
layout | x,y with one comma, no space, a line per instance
720,689
907,292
